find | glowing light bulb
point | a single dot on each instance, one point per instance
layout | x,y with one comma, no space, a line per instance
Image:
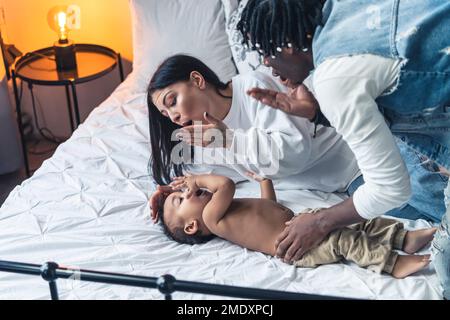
57,20
62,21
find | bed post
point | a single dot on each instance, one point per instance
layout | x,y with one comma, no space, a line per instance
48,273
165,285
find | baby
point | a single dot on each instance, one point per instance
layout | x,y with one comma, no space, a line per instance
206,208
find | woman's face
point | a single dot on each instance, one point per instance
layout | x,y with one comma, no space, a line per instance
183,102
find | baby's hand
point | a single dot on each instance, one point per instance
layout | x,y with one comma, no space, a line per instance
255,177
187,182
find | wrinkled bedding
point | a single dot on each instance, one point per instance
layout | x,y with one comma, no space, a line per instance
87,207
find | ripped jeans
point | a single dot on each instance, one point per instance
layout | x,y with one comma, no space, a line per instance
427,200
441,249
431,194
429,133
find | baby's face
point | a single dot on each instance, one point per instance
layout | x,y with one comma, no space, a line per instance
179,210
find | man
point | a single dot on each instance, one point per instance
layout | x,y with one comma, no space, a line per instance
373,61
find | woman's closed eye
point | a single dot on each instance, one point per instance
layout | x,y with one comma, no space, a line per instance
171,101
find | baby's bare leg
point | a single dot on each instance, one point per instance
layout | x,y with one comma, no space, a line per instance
407,265
417,239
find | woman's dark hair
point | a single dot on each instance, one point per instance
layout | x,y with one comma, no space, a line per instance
178,234
175,69
272,24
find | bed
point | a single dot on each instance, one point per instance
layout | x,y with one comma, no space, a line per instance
87,207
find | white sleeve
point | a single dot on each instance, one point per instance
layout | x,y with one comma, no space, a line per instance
276,146
216,170
204,164
346,89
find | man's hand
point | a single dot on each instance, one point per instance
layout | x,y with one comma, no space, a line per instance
299,101
301,234
212,135
187,182
307,230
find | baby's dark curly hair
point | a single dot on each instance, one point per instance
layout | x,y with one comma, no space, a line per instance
178,233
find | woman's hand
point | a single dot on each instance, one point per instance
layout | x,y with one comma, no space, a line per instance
161,192
187,182
212,135
298,102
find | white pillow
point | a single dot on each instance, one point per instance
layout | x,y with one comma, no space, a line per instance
229,6
245,61
162,28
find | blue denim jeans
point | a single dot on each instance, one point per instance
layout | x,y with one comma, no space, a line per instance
441,249
427,200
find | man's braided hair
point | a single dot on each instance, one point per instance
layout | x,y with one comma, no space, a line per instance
270,25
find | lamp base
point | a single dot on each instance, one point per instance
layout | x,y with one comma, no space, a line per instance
65,55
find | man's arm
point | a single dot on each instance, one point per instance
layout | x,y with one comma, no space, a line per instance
346,89
310,229
342,215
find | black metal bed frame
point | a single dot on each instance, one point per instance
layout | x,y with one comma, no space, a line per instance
166,284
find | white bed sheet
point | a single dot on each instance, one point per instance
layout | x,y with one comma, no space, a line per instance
87,207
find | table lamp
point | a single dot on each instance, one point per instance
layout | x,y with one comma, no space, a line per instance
64,48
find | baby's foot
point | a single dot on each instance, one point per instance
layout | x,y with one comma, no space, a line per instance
407,265
417,239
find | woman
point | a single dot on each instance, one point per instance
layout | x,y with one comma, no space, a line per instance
380,67
257,138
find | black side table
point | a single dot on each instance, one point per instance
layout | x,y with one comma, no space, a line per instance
39,68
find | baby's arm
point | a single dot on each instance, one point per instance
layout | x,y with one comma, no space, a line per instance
222,189
266,185
267,190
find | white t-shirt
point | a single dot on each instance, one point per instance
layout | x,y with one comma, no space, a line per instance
346,89
323,163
